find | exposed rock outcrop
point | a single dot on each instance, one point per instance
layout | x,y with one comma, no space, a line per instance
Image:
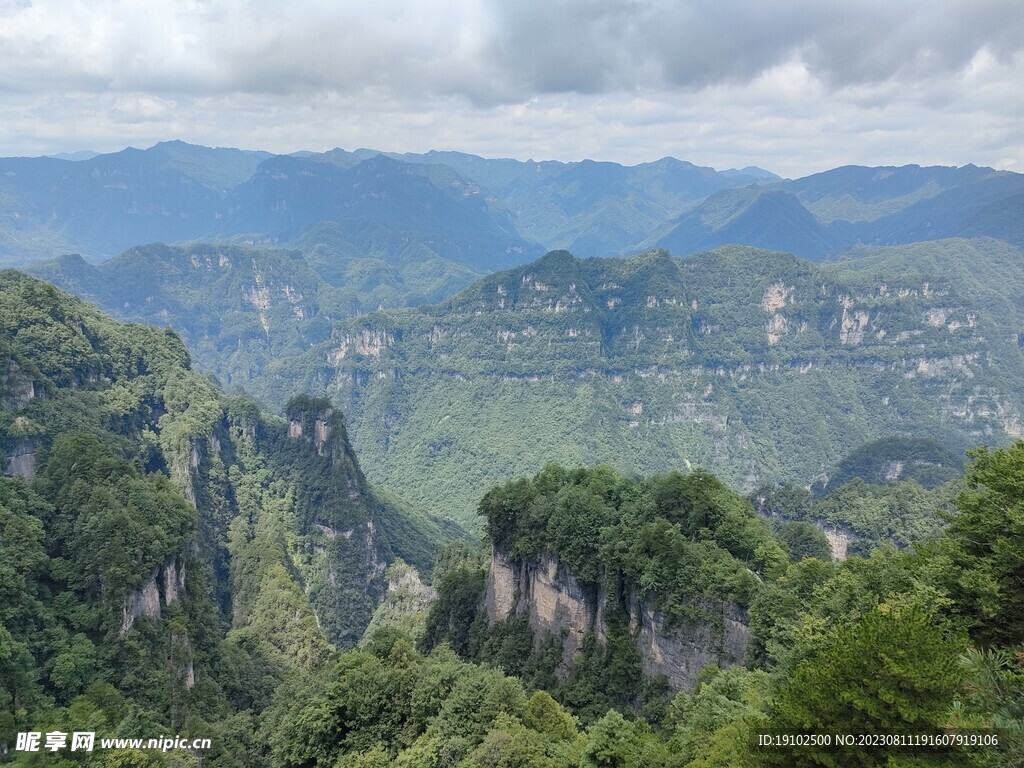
321,430
17,387
547,593
146,600
838,540
21,459
405,605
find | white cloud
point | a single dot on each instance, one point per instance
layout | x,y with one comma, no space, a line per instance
790,85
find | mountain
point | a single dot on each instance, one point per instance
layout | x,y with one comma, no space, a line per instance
592,208
478,213
855,193
754,364
175,561
110,202
383,206
828,213
177,192
78,385
238,308
989,206
82,154
547,551
894,459
482,213
767,218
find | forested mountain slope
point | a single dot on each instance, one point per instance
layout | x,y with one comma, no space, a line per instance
166,539
755,364
612,593
592,208
758,365
174,561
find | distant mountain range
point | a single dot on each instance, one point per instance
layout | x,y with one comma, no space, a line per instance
830,212
299,273
478,214
178,192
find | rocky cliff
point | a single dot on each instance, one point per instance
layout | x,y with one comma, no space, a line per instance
548,594
752,364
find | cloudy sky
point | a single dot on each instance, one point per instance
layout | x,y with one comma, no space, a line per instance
792,86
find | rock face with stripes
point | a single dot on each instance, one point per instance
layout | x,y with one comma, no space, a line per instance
547,593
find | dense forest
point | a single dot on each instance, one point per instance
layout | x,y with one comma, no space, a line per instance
925,641
170,554
175,561
753,364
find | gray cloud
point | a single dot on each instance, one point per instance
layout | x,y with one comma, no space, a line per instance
788,84
490,51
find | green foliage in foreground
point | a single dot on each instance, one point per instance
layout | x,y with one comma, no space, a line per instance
170,558
887,644
390,705
682,538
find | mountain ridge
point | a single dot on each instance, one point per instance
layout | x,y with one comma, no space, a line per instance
482,213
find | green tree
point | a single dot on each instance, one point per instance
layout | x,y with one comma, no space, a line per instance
989,546
993,702
893,671
614,742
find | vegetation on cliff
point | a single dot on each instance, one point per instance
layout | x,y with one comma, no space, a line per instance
174,560
753,365
169,556
924,639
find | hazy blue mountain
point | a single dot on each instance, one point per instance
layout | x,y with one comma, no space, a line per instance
592,208
751,171
384,207
483,214
763,217
856,193
172,191
82,154
828,213
176,192
990,206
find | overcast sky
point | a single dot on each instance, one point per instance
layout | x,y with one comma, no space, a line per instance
794,87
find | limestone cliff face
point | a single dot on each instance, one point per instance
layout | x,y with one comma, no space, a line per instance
21,459
341,553
165,585
681,651
547,593
17,389
549,596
